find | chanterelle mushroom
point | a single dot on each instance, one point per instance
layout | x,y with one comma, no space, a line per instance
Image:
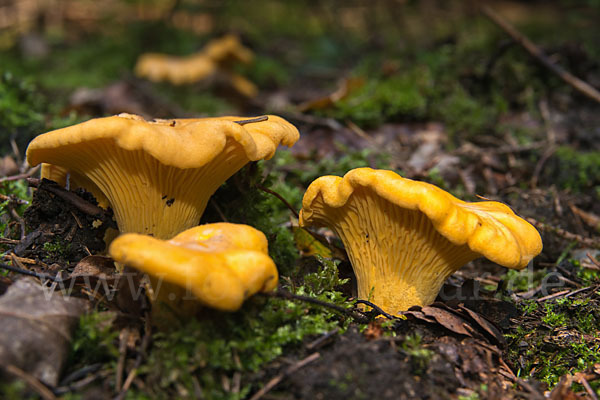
217,55
404,238
220,264
158,175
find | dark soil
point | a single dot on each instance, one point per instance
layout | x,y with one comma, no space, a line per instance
59,232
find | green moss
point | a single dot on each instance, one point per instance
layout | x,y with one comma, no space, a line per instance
564,343
94,340
419,355
57,248
223,344
576,170
19,190
21,109
382,100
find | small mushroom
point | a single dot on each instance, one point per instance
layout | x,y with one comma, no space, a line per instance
219,264
157,175
404,237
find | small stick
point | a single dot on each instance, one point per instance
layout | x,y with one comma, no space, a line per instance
565,234
24,260
280,197
288,371
15,215
13,199
284,294
318,342
580,85
70,197
252,120
138,360
574,292
553,295
41,277
21,176
377,309
121,363
32,381
540,164
219,211
586,385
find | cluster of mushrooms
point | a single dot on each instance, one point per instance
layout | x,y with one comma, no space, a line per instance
403,237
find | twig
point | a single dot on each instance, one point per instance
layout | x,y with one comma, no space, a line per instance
121,363
377,309
288,371
540,164
70,197
13,199
280,197
252,120
32,381
581,378
593,259
538,54
565,234
9,241
21,176
574,292
138,361
313,120
359,131
553,295
41,277
15,215
318,342
284,294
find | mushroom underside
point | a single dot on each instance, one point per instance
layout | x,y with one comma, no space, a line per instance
399,258
147,196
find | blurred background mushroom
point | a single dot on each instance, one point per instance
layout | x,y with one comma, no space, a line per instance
404,237
218,57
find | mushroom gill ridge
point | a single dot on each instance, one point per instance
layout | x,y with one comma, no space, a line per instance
404,237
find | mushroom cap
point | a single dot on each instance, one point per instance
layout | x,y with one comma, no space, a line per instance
488,228
181,143
171,167
222,264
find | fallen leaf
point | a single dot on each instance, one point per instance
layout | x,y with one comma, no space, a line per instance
309,245
486,325
447,319
346,87
36,327
8,166
99,266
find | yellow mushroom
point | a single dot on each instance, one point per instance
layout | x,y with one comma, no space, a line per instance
157,175
220,265
404,238
217,55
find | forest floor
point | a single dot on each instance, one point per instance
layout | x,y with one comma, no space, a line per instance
434,91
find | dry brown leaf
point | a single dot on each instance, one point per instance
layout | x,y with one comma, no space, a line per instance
99,266
36,327
447,319
346,87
